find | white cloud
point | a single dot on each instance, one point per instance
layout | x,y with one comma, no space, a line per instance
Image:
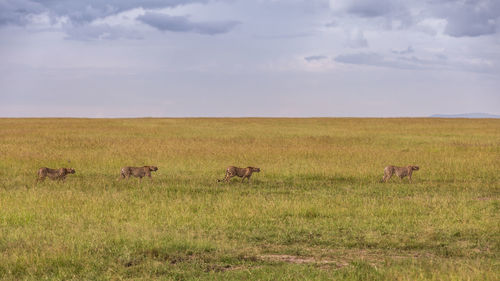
432,26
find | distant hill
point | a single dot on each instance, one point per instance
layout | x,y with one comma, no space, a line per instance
466,115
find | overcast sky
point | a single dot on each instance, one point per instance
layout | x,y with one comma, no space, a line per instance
173,58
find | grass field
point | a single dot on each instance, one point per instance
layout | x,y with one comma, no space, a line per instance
316,211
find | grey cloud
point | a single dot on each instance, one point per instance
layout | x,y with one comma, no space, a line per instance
464,18
472,29
357,40
369,9
332,24
364,59
184,24
441,56
406,51
17,12
78,11
375,59
413,62
387,10
470,18
315,58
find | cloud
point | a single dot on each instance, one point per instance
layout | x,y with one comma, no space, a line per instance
18,12
89,19
370,9
390,10
100,32
315,58
372,59
184,24
356,39
431,26
470,18
331,24
417,63
78,11
406,51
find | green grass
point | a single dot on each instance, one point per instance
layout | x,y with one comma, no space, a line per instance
316,211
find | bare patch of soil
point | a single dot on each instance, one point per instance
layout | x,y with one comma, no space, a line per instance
484,198
302,260
342,258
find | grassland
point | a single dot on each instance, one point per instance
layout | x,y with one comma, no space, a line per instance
315,212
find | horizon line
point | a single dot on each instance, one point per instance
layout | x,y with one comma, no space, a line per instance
435,116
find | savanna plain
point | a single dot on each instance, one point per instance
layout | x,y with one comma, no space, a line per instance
316,211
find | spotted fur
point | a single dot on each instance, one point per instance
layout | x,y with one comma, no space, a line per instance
244,173
138,172
401,172
54,174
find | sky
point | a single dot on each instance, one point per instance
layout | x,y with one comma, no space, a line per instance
239,58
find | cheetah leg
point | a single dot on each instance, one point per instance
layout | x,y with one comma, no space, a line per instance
228,177
243,179
387,177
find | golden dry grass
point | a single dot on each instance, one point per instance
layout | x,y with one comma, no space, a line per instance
317,199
